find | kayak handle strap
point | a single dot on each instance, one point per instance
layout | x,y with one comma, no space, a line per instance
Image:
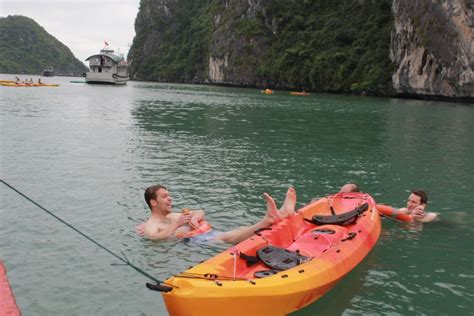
258,231
340,219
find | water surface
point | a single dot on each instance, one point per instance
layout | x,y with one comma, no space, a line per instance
86,153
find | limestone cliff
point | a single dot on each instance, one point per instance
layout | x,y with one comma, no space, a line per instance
432,45
201,41
383,47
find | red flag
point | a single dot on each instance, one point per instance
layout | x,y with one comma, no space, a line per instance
106,44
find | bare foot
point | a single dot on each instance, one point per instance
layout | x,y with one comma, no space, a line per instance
272,215
288,207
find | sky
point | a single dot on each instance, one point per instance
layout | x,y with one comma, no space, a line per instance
82,25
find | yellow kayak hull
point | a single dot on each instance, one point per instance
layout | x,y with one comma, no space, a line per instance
300,93
9,84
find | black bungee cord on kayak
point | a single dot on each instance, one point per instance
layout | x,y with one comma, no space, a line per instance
124,259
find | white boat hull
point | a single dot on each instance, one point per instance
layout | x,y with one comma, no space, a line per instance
107,78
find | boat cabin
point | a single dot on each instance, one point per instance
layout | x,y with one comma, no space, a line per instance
107,61
107,67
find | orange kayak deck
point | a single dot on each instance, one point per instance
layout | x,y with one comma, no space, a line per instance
7,300
284,268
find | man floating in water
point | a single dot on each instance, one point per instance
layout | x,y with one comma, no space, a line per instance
163,223
416,204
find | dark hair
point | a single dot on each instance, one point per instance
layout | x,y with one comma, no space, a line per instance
422,194
150,193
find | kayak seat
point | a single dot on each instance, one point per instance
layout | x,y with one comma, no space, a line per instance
339,219
250,260
279,258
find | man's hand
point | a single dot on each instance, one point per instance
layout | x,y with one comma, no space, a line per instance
183,219
418,212
194,222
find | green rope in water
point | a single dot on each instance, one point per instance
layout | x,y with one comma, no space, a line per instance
126,261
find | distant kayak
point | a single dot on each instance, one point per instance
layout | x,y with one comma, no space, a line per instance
267,91
7,81
299,93
9,84
47,85
77,81
12,84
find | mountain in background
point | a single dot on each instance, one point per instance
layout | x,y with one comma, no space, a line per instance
26,48
417,48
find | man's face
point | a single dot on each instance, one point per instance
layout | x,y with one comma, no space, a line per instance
413,202
163,200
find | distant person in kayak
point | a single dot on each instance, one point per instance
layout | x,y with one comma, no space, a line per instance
164,223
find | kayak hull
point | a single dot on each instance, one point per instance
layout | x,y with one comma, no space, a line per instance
29,85
300,93
8,304
226,284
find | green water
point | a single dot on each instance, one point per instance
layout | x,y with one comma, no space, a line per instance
87,152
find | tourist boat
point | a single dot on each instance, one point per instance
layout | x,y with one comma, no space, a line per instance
48,72
281,268
108,68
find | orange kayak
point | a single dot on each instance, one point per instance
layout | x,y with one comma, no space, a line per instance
283,268
7,300
12,84
299,93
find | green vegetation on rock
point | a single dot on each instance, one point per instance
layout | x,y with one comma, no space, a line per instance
180,50
321,45
339,46
26,48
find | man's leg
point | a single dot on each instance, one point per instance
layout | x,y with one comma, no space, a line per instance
237,235
288,207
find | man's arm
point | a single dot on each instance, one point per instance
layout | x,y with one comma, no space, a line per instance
403,210
166,232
